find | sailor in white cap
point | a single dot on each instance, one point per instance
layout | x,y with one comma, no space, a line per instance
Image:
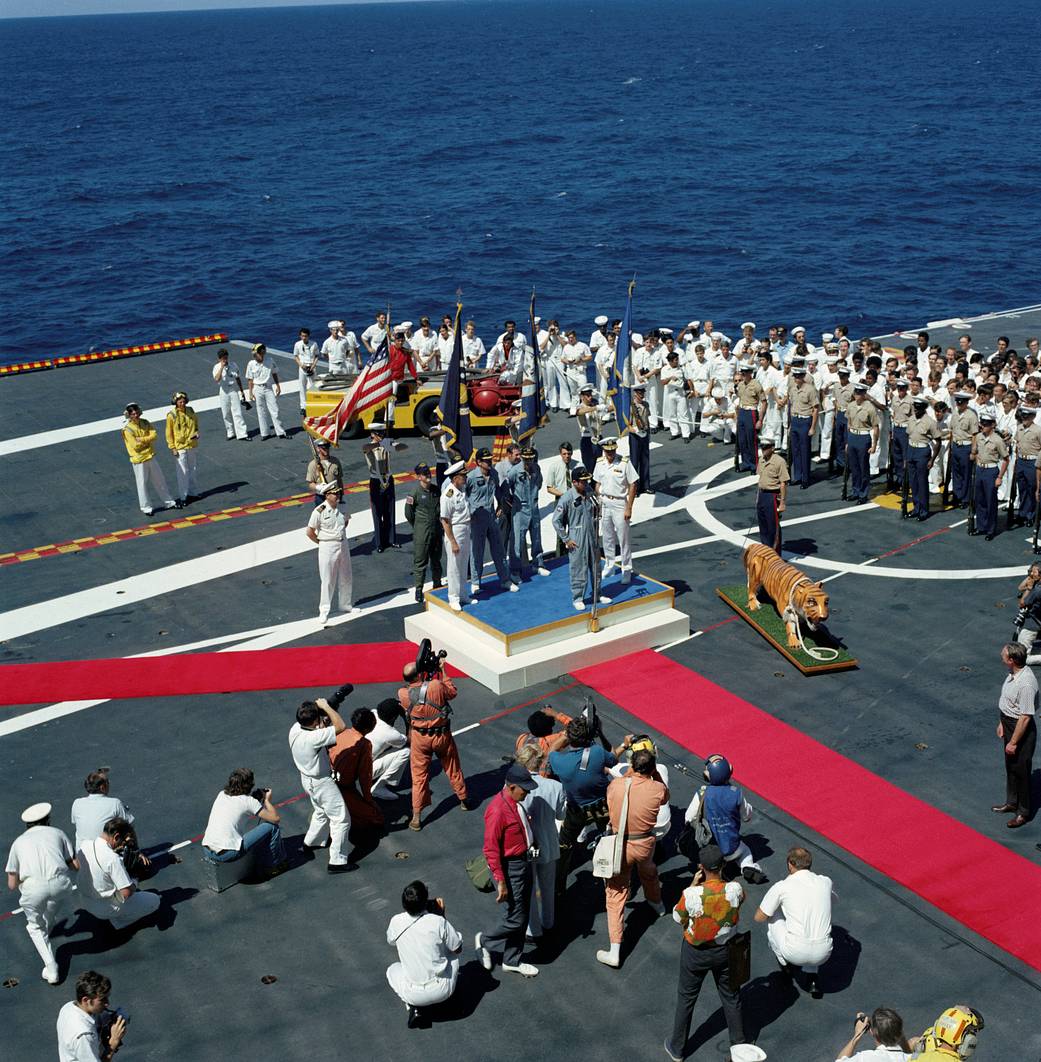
305,354
139,438
604,361
698,373
554,379
827,378
674,385
647,365
327,527
575,356
182,438
616,481
264,390
747,344
377,453
39,866
718,417
596,341
455,522
231,395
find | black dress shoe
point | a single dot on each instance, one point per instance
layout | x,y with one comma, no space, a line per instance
379,549
990,537
814,987
342,868
419,597
395,545
922,519
974,532
413,1017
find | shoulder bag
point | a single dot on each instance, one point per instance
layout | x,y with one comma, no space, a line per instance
607,856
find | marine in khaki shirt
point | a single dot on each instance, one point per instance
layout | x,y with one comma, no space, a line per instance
861,416
842,393
773,474
900,406
964,423
922,430
750,395
1028,439
803,398
990,449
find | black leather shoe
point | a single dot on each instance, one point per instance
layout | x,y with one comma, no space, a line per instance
419,597
974,532
989,538
814,987
342,868
414,1017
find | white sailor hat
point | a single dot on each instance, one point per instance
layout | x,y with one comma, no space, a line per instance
812,355
665,331
717,392
693,324
988,418
827,336
538,320
406,325
333,325
843,369
748,324
919,400
452,470
718,335
797,329
36,812
328,488
961,396
745,366
831,359
399,330
902,382
831,346
378,426
858,386
586,389
798,370
636,338
601,320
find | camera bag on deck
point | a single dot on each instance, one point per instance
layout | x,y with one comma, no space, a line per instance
480,874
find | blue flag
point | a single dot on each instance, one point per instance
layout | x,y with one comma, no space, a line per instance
623,370
533,398
453,408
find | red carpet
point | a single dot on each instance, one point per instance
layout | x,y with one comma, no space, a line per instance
321,668
927,851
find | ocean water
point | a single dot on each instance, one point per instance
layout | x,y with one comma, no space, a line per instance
812,161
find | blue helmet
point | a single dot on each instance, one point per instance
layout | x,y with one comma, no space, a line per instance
718,770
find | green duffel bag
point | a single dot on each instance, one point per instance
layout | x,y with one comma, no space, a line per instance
480,875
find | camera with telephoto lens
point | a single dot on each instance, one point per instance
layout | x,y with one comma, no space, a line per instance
428,662
337,698
1017,623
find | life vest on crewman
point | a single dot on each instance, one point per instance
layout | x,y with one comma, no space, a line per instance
723,815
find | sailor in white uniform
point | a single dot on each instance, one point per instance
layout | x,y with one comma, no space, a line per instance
455,519
334,349
616,480
264,389
39,867
106,890
231,395
328,527
305,353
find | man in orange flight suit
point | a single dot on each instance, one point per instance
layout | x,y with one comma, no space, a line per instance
540,732
425,704
351,759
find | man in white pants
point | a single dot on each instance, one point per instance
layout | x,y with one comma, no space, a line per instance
310,737
182,437
232,396
327,527
427,969
139,436
106,890
455,521
38,866
545,805
390,751
616,480
676,413
264,389
797,911
305,354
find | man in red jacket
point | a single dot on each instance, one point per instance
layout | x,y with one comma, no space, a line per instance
400,359
509,847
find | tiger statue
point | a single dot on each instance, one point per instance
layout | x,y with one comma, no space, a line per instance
795,596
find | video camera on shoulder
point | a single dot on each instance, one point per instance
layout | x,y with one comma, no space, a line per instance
429,663
595,726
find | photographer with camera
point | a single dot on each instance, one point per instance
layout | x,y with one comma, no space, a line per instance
106,890
389,750
87,1030
228,835
90,813
424,699
428,952
887,1030
1028,619
315,731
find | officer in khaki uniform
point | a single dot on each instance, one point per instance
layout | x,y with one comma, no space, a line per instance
770,499
842,394
751,408
423,512
1028,447
805,404
964,425
900,415
923,444
862,423
991,456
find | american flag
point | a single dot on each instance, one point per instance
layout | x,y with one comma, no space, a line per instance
372,388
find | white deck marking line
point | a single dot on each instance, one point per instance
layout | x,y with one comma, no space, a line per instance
110,424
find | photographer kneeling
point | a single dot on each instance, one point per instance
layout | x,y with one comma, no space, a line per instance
106,890
227,835
428,952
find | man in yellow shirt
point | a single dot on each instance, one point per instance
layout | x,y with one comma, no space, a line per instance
182,437
139,437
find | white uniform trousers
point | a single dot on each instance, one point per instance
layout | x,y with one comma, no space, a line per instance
44,904
936,473
542,914
328,812
231,411
773,426
742,855
456,564
140,905
267,411
306,383
677,413
616,535
720,430
809,954
436,990
148,473
826,427
654,400
880,458
565,392
334,569
1005,483
388,769
185,462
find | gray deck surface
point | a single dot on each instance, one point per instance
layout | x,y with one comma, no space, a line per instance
928,674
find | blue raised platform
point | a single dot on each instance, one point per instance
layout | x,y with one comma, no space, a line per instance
542,610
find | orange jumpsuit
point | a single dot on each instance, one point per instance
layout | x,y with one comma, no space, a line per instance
351,759
549,743
646,796
430,734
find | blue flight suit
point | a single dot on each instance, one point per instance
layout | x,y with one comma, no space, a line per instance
573,519
482,496
524,487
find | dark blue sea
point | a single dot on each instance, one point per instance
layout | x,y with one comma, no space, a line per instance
813,161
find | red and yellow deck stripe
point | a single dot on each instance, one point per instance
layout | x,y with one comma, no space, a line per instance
76,545
67,360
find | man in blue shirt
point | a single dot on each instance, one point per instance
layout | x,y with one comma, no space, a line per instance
582,769
483,496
